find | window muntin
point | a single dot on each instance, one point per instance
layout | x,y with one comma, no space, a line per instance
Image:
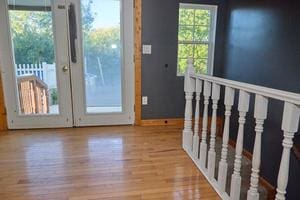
196,35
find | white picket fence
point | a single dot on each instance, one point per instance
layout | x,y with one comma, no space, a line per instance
46,72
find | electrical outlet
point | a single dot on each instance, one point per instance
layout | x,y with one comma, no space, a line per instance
144,100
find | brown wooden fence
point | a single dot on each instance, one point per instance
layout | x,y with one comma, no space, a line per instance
33,95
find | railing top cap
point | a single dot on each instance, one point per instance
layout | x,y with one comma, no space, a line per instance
251,88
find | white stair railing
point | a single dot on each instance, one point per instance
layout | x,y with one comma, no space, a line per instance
236,178
203,143
189,89
196,137
260,114
211,89
212,151
223,165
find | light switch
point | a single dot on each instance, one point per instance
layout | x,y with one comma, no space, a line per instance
147,49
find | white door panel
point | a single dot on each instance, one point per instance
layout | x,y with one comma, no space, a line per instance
19,76
100,96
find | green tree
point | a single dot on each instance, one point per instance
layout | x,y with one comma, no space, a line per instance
32,36
87,16
101,44
193,38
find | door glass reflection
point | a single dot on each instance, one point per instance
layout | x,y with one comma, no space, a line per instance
34,57
102,55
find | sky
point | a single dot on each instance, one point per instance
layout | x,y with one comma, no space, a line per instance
108,12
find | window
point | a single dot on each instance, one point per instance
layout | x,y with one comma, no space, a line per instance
196,37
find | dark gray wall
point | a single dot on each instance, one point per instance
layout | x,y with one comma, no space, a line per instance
263,47
257,42
160,83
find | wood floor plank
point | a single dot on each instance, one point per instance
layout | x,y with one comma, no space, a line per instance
109,163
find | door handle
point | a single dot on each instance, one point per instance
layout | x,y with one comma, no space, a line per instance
65,68
72,32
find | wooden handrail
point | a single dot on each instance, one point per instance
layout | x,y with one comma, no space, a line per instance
251,88
33,78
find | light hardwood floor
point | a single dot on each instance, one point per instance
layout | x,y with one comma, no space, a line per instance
122,162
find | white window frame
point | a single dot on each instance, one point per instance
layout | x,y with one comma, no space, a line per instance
212,33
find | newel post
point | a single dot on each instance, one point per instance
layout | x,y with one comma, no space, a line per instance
189,89
236,178
260,114
290,122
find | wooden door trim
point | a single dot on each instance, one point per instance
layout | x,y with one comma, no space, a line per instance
138,60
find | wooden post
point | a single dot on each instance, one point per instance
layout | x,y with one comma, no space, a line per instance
196,127
189,89
203,144
138,60
260,114
290,122
223,165
212,151
236,179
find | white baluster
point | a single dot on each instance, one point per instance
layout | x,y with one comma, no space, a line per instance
27,68
203,144
223,165
189,89
243,108
260,114
290,123
196,127
23,69
212,151
31,69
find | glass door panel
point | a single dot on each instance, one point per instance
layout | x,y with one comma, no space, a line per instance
34,54
102,53
31,28
104,72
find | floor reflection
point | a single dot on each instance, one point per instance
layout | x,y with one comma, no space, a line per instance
44,164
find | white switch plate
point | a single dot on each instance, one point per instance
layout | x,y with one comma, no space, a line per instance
144,100
147,49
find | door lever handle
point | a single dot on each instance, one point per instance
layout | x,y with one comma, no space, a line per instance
65,68
73,32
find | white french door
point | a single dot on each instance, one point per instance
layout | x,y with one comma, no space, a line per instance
103,90
67,63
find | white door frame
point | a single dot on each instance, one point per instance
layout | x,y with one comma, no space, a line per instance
14,119
69,115
81,117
